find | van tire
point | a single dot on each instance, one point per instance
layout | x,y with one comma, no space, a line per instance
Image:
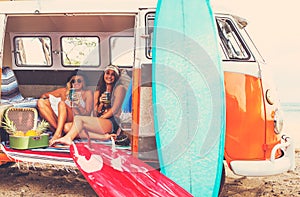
6,164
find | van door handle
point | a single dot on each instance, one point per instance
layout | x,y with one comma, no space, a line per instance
145,36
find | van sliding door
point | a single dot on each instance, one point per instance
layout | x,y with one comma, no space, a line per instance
144,144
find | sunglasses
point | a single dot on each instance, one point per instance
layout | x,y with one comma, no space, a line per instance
74,80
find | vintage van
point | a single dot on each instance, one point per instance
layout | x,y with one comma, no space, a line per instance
42,42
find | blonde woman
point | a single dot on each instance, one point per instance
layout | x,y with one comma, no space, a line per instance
58,107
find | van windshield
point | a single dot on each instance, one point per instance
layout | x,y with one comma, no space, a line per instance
231,42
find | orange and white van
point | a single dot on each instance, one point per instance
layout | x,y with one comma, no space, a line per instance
254,143
91,34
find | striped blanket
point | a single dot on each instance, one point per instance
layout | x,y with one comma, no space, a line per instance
10,93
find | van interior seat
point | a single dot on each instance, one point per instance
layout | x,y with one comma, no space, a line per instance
12,97
126,116
10,93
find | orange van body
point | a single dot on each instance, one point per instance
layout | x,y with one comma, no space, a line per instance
249,123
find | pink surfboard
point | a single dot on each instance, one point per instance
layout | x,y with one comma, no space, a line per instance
115,172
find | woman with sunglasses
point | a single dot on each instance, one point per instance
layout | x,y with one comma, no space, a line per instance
104,123
59,107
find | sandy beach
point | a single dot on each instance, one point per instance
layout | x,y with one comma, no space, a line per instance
43,181
46,180
286,184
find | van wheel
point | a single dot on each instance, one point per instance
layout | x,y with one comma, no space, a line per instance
222,183
6,164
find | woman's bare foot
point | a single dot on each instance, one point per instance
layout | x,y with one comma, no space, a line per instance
55,137
64,140
109,136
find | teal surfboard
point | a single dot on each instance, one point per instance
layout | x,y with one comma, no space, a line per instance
188,95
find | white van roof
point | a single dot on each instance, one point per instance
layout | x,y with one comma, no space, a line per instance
74,6
77,7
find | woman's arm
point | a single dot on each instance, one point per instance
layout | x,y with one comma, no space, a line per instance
119,94
57,93
96,97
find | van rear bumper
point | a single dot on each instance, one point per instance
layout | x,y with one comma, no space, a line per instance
268,167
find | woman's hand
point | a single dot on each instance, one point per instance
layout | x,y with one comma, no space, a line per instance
44,96
103,98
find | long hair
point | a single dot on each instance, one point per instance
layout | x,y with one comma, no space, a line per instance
101,85
69,85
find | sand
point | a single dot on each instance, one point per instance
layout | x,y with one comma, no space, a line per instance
46,180
42,180
285,184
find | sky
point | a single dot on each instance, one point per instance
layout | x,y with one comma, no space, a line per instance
274,27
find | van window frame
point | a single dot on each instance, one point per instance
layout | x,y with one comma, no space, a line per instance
249,57
82,65
16,56
110,51
149,38
238,36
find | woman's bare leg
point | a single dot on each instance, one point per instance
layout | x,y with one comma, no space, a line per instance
63,114
91,135
96,136
92,124
67,127
46,112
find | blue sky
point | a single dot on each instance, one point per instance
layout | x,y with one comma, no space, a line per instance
274,27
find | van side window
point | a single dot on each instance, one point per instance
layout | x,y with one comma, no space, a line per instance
231,43
122,50
149,32
80,51
32,51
